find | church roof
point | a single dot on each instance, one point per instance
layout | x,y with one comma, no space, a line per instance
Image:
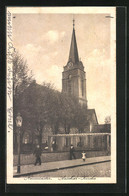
73,54
92,112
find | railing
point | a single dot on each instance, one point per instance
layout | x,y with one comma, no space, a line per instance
83,141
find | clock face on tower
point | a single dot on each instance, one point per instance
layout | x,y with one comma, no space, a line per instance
70,65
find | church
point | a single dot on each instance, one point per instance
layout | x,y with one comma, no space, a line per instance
95,137
73,83
74,79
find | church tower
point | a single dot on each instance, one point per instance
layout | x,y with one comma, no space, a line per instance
74,76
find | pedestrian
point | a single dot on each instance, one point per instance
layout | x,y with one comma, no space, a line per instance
46,146
83,156
72,152
37,153
54,145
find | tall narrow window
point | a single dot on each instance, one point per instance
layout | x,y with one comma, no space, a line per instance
69,85
82,87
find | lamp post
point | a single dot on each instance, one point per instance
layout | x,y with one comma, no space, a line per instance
18,124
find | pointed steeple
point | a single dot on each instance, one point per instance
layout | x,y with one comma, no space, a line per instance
73,54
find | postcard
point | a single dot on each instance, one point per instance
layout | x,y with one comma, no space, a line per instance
61,95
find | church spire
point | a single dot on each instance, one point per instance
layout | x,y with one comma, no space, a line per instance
73,54
73,23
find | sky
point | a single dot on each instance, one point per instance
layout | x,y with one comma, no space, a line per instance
44,41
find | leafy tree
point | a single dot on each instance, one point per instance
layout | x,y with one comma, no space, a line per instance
55,111
42,105
107,120
22,78
81,117
34,106
68,105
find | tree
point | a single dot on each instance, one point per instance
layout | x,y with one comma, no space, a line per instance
36,105
68,105
22,77
55,110
107,120
42,105
81,117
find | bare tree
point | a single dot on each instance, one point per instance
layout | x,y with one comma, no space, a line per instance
22,76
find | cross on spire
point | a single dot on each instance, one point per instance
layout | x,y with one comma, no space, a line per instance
73,23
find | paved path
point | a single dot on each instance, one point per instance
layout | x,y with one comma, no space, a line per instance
94,170
55,166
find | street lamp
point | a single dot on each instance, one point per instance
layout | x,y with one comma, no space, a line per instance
18,124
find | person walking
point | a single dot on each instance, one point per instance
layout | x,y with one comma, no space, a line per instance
37,153
72,152
83,156
46,146
54,146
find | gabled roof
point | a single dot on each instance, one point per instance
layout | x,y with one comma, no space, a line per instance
73,54
90,114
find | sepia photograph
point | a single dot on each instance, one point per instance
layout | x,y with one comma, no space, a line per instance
61,95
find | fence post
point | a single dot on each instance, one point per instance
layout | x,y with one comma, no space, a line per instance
108,147
49,143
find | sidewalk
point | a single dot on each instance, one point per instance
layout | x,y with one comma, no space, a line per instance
27,170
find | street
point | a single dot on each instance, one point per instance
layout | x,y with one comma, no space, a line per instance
95,170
